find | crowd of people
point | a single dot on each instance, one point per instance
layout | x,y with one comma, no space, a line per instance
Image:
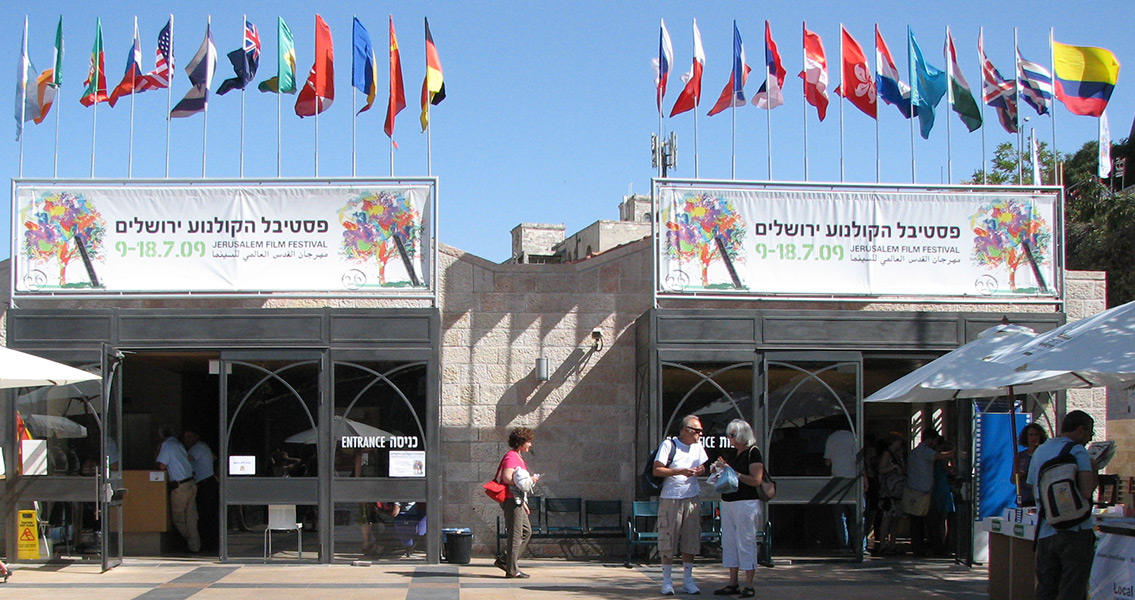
918,486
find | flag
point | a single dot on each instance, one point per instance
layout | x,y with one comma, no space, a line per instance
284,81
1105,146
770,95
244,61
888,84
927,87
856,73
133,74
160,77
397,99
1085,77
433,86
200,71
815,73
996,91
691,93
96,73
364,65
27,108
57,70
662,65
961,98
44,94
1035,82
734,92
319,91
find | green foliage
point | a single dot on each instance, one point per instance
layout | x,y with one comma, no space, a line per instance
1003,167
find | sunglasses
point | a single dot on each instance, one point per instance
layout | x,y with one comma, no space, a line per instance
694,429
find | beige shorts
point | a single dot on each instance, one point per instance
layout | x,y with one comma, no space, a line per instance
679,526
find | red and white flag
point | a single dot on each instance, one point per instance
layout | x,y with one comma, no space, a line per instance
815,73
691,94
857,81
163,63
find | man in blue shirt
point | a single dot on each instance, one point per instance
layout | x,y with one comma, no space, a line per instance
174,460
1064,556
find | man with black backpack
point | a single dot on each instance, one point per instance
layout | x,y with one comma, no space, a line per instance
1065,540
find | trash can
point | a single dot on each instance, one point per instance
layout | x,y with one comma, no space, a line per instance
458,543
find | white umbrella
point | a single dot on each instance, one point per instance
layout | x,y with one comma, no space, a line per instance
1098,350
971,372
71,399
18,369
343,426
49,426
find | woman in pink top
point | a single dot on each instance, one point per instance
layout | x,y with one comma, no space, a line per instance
514,473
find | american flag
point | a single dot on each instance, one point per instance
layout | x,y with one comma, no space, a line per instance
996,91
163,64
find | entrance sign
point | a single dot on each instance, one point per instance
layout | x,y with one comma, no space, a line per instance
304,236
998,244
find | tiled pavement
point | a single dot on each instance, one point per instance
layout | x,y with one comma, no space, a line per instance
873,579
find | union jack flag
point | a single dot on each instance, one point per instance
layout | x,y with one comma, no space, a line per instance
163,63
996,91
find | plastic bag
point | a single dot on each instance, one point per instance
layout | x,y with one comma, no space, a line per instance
726,482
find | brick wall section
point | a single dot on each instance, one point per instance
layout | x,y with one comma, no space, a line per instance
496,321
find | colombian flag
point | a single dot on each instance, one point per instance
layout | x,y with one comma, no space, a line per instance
1084,77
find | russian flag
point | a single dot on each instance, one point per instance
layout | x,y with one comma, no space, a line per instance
1084,77
662,64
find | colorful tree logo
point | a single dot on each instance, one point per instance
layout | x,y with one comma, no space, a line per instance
61,227
373,225
701,226
1006,232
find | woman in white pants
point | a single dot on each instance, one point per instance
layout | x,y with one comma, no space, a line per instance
741,511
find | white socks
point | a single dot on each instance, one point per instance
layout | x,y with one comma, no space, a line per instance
688,579
667,581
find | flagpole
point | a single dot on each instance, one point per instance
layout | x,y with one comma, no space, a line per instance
950,101
57,76
733,138
843,97
878,159
317,134
205,121
1052,150
243,26
24,95
133,83
354,117
804,61
913,94
981,60
169,92
768,109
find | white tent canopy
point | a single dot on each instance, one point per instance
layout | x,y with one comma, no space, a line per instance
18,369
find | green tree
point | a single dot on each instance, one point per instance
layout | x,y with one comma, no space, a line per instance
1003,167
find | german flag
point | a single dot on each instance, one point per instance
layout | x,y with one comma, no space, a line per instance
433,86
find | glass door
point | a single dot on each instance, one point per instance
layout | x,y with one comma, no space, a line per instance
111,488
812,405
273,448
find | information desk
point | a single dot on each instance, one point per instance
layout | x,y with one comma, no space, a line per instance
1012,560
1113,570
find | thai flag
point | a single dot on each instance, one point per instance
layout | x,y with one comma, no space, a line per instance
662,64
1036,84
888,84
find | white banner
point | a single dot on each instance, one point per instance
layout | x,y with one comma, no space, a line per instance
1113,570
857,243
223,238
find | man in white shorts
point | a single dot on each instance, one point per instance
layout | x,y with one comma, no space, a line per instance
679,505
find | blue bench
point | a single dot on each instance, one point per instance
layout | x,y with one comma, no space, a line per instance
567,518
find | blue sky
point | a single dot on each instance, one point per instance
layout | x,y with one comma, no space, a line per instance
550,105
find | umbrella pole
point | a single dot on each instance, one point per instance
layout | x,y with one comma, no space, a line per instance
1013,442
